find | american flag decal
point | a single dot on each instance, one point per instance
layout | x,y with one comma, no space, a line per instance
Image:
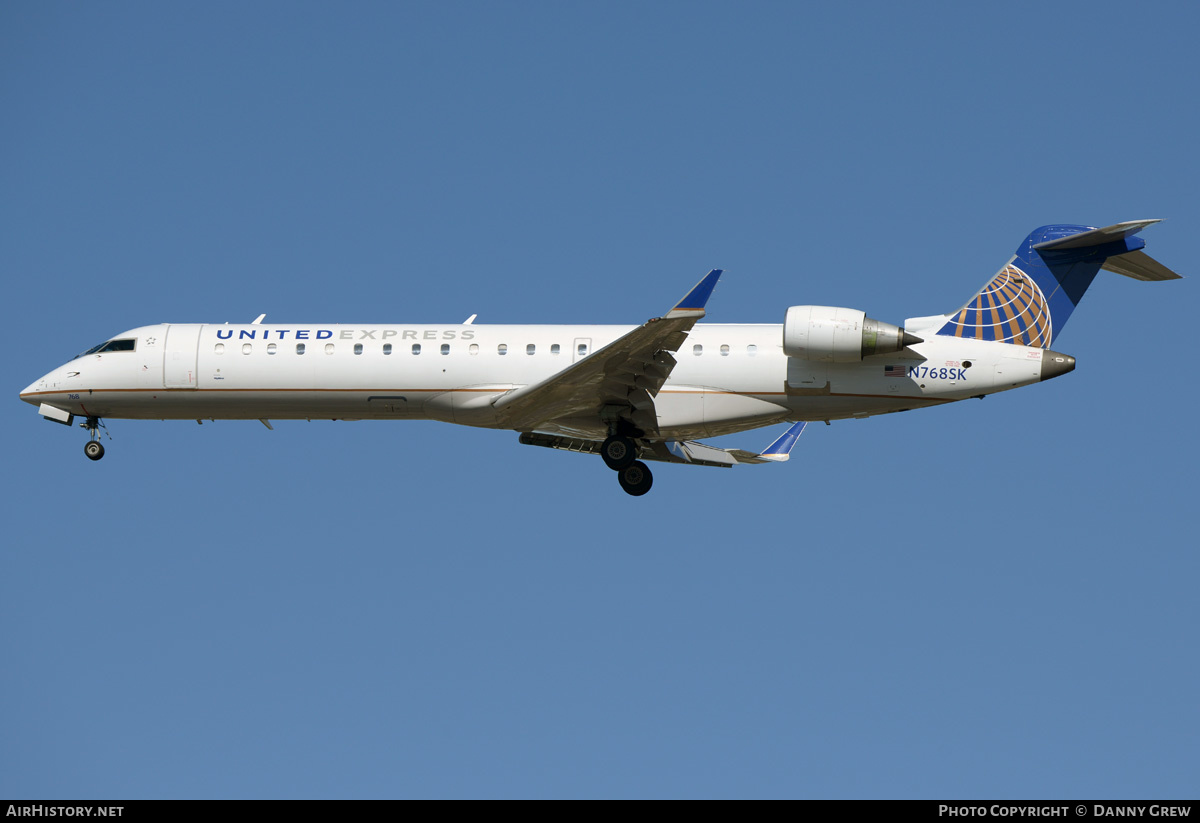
894,371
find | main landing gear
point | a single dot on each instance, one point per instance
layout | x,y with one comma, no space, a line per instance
636,479
94,449
620,454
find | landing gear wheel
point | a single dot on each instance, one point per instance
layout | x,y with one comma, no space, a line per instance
618,452
636,479
94,449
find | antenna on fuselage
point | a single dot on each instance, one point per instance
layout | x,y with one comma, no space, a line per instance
470,320
258,320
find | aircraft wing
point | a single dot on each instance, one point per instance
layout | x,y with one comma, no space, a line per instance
679,451
626,373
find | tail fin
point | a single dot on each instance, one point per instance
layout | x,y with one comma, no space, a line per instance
1029,300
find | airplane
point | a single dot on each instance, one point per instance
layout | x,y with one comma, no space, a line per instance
628,394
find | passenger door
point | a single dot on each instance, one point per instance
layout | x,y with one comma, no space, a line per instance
179,355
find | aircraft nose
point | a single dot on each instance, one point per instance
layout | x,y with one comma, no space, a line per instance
29,393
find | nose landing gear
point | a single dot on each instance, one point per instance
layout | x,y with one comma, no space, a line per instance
94,449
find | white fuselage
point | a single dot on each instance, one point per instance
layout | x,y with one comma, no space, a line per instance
729,377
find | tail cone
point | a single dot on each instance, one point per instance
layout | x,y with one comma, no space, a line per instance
1055,364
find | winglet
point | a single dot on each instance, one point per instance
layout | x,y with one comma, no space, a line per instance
692,305
689,451
780,450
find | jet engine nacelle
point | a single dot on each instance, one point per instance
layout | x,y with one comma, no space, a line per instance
837,335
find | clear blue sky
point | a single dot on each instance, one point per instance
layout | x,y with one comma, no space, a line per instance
994,598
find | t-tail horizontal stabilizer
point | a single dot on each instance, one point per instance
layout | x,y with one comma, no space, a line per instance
679,451
1122,258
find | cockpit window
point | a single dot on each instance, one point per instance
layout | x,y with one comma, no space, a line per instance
92,350
127,344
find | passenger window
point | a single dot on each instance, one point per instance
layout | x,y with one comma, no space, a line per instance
531,349
358,348
582,350
697,350
474,348
554,349
502,348
270,348
329,348
416,348
299,348
219,348
387,348
445,348
752,350
246,348
724,350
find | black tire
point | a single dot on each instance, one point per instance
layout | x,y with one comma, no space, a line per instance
636,479
618,452
94,449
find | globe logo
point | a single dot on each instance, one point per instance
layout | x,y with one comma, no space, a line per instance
1010,309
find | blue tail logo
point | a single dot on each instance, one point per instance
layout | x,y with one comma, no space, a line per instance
1029,301
1011,308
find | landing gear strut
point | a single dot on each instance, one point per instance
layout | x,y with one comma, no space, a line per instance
94,449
